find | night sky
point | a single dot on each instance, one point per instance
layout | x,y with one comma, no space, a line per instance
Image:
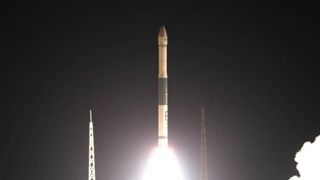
256,65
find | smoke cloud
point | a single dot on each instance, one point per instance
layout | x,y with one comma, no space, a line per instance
308,161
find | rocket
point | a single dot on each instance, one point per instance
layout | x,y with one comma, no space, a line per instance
162,89
91,167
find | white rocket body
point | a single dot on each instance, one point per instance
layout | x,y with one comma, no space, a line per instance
163,89
91,168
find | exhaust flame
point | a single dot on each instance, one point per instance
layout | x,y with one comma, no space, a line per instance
162,165
308,161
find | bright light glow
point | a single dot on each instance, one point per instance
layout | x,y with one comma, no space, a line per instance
308,161
162,165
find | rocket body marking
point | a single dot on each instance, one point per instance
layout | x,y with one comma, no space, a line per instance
163,89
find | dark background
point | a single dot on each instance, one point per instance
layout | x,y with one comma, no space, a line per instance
256,65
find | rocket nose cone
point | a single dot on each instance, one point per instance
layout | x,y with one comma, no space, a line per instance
162,32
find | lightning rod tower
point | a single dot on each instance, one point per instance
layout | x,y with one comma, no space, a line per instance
91,167
203,158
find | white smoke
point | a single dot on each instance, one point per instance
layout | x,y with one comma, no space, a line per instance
308,161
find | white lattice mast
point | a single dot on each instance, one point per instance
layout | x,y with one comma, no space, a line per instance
91,167
204,162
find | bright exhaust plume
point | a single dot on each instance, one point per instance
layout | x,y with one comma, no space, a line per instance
308,161
162,165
